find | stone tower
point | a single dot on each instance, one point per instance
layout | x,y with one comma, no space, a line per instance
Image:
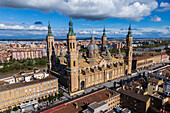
104,40
129,51
51,58
72,58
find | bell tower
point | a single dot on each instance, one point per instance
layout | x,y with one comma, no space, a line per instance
72,59
104,40
51,58
129,51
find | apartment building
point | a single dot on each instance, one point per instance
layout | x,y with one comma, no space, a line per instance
134,100
149,59
26,53
26,87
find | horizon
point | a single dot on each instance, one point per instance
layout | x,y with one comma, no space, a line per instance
19,18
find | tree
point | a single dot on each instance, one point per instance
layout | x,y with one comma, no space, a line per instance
50,98
82,50
122,50
113,50
8,111
30,63
60,95
41,100
15,108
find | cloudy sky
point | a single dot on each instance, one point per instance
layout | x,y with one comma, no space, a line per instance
29,18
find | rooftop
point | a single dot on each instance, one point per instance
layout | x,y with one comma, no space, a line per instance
147,55
135,95
83,101
153,80
21,84
95,105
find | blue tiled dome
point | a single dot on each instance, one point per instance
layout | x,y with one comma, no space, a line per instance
92,46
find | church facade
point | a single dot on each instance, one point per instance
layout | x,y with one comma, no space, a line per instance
77,71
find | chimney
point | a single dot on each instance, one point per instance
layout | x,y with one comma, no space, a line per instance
75,105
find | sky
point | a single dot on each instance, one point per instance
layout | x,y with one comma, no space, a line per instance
29,18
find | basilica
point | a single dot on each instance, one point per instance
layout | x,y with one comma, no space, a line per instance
79,70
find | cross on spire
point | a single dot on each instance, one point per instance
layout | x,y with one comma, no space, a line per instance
49,29
129,32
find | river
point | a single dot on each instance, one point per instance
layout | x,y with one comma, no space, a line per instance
162,47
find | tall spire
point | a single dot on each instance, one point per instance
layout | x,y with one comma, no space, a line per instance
49,29
129,32
104,32
71,32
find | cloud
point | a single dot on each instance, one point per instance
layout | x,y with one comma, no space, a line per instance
19,27
38,23
165,6
89,9
156,18
15,30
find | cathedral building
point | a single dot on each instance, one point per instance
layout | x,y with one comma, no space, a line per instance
78,71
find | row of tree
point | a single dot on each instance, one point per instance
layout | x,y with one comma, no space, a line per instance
22,64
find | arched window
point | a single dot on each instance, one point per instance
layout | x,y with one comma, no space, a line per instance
70,45
73,45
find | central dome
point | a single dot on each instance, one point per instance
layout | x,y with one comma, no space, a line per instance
92,46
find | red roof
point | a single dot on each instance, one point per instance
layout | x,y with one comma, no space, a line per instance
82,102
54,109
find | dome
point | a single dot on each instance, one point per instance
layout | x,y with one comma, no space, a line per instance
92,46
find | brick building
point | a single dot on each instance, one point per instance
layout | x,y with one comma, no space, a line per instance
134,101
